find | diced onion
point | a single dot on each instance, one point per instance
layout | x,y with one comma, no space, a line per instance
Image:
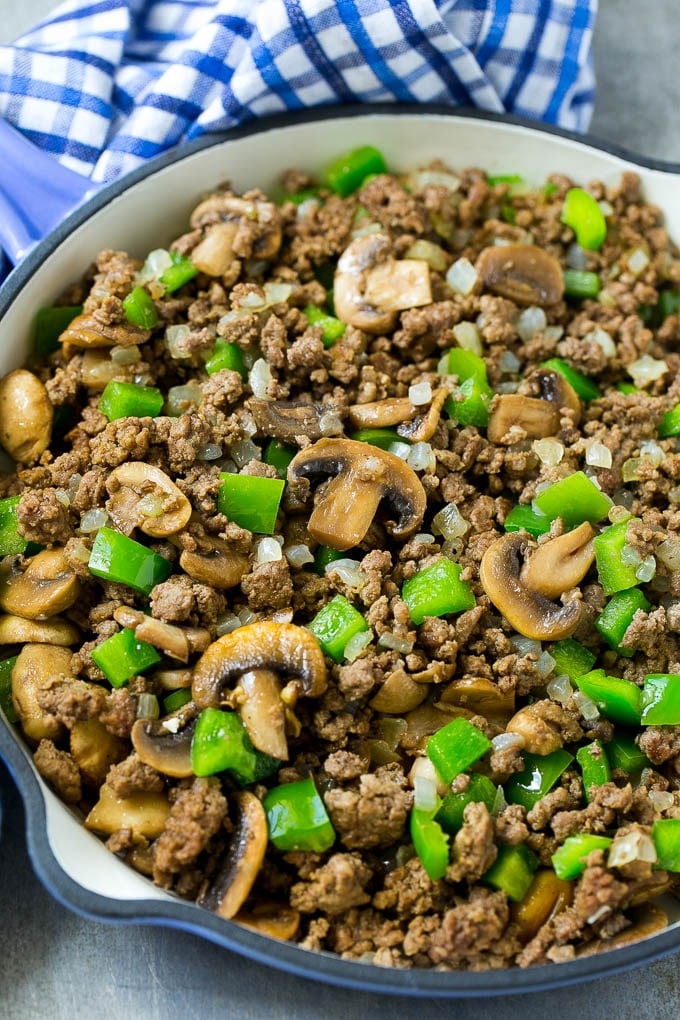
426,251
598,455
244,451
62,497
559,688
330,424
423,538
467,336
553,333
421,458
503,741
420,394
147,706
125,355
576,257
356,644
530,321
638,260
509,362
462,276
268,550
586,706
425,793
209,451
174,335
618,513
298,555
661,799
247,616
226,623
157,261
400,450
172,724
545,664
630,469
669,553
421,179
348,570
602,338
181,398
260,379
650,450
635,845
647,569
93,520
397,644
646,370
549,451
630,556
527,646
449,522
151,505
276,293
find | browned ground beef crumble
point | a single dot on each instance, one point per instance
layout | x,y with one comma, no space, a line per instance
368,897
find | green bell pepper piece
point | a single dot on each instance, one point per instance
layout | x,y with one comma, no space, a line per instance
666,836
250,501
6,703
470,403
617,616
582,213
122,656
617,699
298,197
569,860
571,658
335,624
614,574
668,303
661,699
348,172
323,556
581,283
226,355
455,747
127,400
669,425
480,790
626,388
513,871
594,766
466,365
331,328
539,775
575,499
180,272
297,817
525,518
279,455
176,700
50,323
11,542
582,385
436,591
220,743
116,557
382,438
139,309
624,754
431,843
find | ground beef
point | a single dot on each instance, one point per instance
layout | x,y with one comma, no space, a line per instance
333,888
43,517
268,586
474,849
373,815
196,815
473,929
70,700
59,769
132,776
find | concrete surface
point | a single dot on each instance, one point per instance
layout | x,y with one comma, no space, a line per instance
55,965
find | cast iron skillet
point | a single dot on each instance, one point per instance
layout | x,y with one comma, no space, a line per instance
144,210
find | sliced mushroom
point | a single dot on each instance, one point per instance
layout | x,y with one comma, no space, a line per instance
288,420
87,331
282,649
424,424
554,387
46,585
539,726
95,749
529,612
220,567
215,252
371,286
236,227
98,369
144,813
381,414
481,696
524,273
546,897
276,920
142,496
514,417
399,694
26,415
362,476
164,746
237,875
55,631
560,564
35,664
178,642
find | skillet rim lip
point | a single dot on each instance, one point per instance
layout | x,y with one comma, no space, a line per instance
178,914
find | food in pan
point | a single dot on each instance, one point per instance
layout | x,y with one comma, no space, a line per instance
340,585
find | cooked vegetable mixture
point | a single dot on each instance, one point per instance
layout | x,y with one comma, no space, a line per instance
340,576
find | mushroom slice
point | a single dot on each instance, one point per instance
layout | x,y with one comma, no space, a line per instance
380,414
424,425
281,650
524,273
561,563
286,420
164,746
371,287
55,631
277,920
142,496
143,812
399,694
529,612
87,331
242,864
219,567
536,418
26,416
36,664
95,749
481,696
46,586
555,388
361,477
258,228
215,252
178,642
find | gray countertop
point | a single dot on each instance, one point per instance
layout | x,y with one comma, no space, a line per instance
57,965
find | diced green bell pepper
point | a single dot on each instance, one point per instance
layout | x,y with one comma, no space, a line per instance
581,384
525,518
669,424
176,699
539,775
298,197
226,355
617,616
455,747
279,455
582,213
595,769
581,283
614,574
297,817
624,754
436,591
220,743
668,303
127,400
465,365
335,624
470,403
382,438
122,656
331,328
116,557
627,388
139,309
666,836
6,703
617,699
431,843
575,499
661,699
325,555
348,172
11,542
180,272
480,790
571,658
569,860
251,501
513,871
50,323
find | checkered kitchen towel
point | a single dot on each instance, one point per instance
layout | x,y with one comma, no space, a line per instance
105,85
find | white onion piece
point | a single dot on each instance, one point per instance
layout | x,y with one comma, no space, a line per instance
586,706
530,321
400,450
298,555
226,623
559,688
449,522
603,339
462,276
638,260
509,362
661,799
598,455
647,569
397,644
420,394
93,520
174,335
526,646
244,451
421,179
260,379
467,336
348,570
268,550
421,458
356,644
545,664
549,451
646,370
503,741
181,398
669,553
631,846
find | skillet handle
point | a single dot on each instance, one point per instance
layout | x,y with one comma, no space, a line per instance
36,193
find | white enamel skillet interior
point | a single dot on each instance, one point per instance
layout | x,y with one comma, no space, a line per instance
146,210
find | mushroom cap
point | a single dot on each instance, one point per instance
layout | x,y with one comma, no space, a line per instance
284,648
167,509
237,875
363,476
288,419
162,748
524,273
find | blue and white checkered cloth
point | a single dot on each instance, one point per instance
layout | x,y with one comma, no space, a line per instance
105,85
